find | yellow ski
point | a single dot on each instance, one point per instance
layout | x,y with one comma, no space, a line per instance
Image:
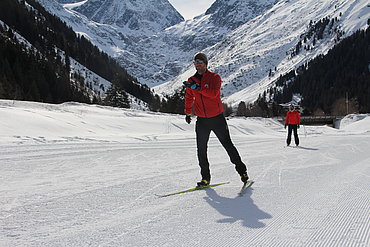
193,189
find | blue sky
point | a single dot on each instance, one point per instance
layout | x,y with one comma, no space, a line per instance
191,8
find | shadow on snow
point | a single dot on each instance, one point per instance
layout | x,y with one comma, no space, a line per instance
240,208
306,148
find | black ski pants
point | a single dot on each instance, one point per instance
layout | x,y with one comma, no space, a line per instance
292,127
218,125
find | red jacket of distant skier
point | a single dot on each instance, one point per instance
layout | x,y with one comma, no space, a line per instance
207,101
292,117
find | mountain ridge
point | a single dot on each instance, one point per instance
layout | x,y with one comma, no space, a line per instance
44,60
165,53
148,16
244,56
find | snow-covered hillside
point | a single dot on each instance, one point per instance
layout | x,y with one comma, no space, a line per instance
85,80
170,52
97,85
149,16
154,58
244,40
245,57
269,50
84,175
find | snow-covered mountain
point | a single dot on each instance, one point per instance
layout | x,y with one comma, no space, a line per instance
170,52
155,59
70,1
144,17
245,40
244,58
232,14
82,79
259,49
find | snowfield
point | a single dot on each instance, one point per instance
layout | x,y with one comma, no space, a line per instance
85,175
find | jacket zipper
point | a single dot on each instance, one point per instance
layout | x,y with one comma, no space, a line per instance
201,97
204,107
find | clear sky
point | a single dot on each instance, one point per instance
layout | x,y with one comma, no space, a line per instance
191,8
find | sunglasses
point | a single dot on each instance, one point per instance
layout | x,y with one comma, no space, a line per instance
199,62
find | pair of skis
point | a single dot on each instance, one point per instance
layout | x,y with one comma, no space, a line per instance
242,191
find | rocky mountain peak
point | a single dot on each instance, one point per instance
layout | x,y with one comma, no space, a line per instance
139,15
234,13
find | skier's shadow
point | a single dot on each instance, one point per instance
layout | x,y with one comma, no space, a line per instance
305,148
240,208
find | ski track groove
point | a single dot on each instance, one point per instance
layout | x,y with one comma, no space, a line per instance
71,152
355,209
337,213
147,192
276,223
108,222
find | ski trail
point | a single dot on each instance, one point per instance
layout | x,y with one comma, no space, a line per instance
322,208
147,192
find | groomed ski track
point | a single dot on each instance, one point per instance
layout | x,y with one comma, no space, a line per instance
75,181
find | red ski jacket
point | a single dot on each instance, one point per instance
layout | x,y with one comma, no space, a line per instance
293,117
207,101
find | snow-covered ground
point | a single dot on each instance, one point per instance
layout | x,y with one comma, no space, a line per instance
82,175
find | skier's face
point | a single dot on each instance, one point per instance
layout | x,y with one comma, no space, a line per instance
200,66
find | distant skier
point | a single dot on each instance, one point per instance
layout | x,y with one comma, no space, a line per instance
203,91
293,121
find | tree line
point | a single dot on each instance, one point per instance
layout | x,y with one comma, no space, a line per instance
337,83
342,74
29,76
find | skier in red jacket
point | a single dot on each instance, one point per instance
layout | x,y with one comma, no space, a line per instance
203,92
293,121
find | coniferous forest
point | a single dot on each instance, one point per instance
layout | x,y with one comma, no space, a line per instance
326,82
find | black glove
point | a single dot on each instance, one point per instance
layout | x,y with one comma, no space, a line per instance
191,85
298,126
285,126
188,119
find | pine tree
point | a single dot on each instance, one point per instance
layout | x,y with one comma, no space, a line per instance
117,98
242,109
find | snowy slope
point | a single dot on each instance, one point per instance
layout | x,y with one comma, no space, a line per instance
149,16
244,39
352,16
97,85
245,57
83,175
83,78
169,52
93,85
153,53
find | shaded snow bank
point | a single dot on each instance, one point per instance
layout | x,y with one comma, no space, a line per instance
62,122
355,122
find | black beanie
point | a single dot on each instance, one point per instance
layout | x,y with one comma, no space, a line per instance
201,56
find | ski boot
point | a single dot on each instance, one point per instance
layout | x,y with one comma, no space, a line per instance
244,177
203,183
